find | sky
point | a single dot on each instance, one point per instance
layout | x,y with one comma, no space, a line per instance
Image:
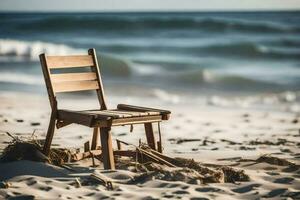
145,5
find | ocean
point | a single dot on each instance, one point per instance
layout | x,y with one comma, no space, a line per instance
195,53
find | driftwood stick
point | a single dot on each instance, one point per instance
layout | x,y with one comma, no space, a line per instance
156,158
87,146
119,144
84,155
150,155
164,157
104,180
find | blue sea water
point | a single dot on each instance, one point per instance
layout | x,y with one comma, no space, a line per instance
198,52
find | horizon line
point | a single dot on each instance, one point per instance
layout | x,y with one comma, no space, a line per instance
150,11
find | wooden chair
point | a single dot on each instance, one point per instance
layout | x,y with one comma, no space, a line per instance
102,119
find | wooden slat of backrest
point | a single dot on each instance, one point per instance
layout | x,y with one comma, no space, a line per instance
72,86
86,76
46,73
56,62
100,91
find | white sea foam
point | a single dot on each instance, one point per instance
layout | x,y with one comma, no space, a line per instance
31,49
29,79
165,96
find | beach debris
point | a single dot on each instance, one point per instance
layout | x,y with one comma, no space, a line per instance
148,163
19,149
206,141
231,142
182,140
274,161
232,175
30,149
246,148
77,183
19,120
108,183
35,123
280,141
59,156
230,159
187,170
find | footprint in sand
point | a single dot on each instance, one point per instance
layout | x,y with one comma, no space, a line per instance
284,180
22,197
246,188
275,193
208,189
31,182
90,194
272,173
180,192
45,188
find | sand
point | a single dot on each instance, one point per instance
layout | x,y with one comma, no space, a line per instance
220,135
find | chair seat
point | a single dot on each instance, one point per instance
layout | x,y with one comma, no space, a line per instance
124,114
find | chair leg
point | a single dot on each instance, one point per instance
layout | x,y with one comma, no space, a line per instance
150,135
50,133
107,150
96,133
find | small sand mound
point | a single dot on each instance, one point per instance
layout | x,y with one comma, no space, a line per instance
30,149
19,149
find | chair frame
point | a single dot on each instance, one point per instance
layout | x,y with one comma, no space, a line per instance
101,127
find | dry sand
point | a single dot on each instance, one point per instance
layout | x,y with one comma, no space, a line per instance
209,134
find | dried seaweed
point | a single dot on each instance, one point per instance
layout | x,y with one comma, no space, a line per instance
274,160
280,141
187,170
159,167
30,149
232,175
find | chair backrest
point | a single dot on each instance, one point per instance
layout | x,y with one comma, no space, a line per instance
75,81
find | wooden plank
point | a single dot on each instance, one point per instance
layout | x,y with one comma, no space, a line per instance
126,153
150,135
46,73
106,181
50,133
96,69
87,146
83,155
138,113
102,113
107,150
75,86
75,117
86,76
141,109
56,62
118,144
60,124
165,113
134,113
136,120
96,138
